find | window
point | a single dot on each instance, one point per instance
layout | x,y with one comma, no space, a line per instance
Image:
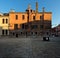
33,17
2,32
26,26
6,20
41,26
31,10
34,27
40,17
22,26
6,32
47,27
15,26
23,17
36,33
16,17
3,21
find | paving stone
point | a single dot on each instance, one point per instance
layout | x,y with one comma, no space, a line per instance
29,47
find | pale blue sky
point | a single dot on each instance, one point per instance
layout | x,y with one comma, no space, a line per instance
21,5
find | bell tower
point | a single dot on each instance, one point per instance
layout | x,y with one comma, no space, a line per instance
29,7
36,6
36,10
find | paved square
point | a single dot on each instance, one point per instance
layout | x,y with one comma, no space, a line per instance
31,47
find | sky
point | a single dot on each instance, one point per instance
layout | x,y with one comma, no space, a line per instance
21,5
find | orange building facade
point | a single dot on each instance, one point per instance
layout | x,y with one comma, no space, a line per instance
29,20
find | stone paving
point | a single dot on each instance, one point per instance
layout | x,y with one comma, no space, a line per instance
31,47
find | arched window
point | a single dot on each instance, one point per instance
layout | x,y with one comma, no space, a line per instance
33,17
16,17
3,21
6,20
23,17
